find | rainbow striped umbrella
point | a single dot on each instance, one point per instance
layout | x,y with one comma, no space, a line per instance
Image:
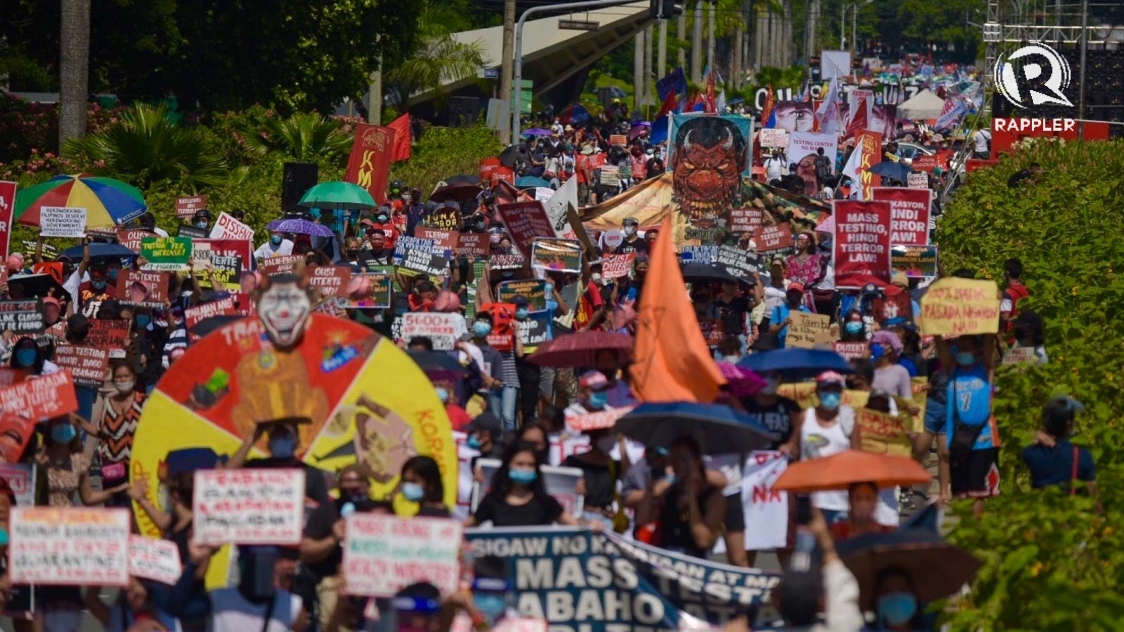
108,202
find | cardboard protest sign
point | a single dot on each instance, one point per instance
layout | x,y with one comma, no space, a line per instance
918,262
533,289
155,559
617,266
773,237
953,307
862,242
773,137
148,289
249,506
560,482
331,280
69,547
281,264
88,364
618,140
108,334
882,433
1020,355
131,238
421,255
738,262
909,214
746,220
383,554
557,255
62,221
166,253
186,207
24,316
198,313
473,244
226,227
442,328
188,231
808,330
699,254
525,222
443,239
850,350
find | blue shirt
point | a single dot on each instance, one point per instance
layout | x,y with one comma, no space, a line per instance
779,315
969,391
1054,466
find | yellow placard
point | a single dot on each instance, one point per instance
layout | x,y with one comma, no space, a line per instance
882,433
954,307
808,330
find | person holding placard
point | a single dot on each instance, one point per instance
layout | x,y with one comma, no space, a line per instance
68,468
116,415
1028,335
283,443
826,429
518,496
781,316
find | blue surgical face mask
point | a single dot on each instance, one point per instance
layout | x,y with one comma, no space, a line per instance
442,394
548,288
63,433
381,219
275,240
491,605
523,477
598,400
201,224
283,446
877,351
98,285
413,492
521,313
143,320
853,328
481,329
897,608
473,442
965,358
830,400
26,357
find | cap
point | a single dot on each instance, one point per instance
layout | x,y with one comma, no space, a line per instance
593,380
795,287
485,422
50,300
899,279
830,377
631,221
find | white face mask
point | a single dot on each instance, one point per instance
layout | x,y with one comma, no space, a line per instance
125,387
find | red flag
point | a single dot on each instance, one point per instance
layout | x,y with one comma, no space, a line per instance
402,138
668,106
369,164
858,120
767,111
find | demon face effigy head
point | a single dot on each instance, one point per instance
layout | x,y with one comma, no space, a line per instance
708,162
284,308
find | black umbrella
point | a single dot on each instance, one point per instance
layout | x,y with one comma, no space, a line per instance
213,324
718,429
457,191
35,285
463,179
509,156
704,273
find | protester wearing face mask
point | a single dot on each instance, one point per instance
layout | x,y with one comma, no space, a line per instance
826,429
600,474
381,221
421,484
618,393
116,416
853,328
97,289
202,219
632,241
283,445
518,496
781,316
67,467
896,604
276,246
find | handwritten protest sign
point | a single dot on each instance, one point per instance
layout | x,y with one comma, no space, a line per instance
533,289
443,329
443,217
69,547
882,433
773,237
149,289
382,554
617,266
166,253
331,280
917,181
108,334
862,242
443,239
186,207
808,330
1020,355
250,506
42,398
773,137
918,262
226,227
557,255
21,478
525,222
600,420
131,238
909,214
850,350
89,365
281,264
955,307
158,560
24,316
421,255
746,220
62,221
738,262
473,244
198,313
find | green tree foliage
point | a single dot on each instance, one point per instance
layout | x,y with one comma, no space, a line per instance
1051,561
444,152
300,137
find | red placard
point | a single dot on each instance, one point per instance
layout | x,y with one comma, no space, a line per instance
909,214
487,167
186,207
229,248
473,244
108,334
769,238
143,288
25,403
7,207
89,365
505,174
131,238
502,337
862,243
332,280
371,154
196,314
922,162
526,222
447,239
617,266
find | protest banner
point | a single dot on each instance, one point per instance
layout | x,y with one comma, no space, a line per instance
617,266
850,350
443,329
953,307
862,243
187,207
525,222
765,510
738,262
279,264
803,148
612,584
108,334
773,237
533,289
332,281
24,316
909,214
88,364
894,307
699,254
226,227
146,289
62,221
155,559
560,482
1020,355
421,255
241,248
918,262
166,253
557,255
248,506
69,547
618,140
808,330
473,244
917,181
882,433
369,162
196,314
7,208
746,220
383,554
441,238
925,162
773,137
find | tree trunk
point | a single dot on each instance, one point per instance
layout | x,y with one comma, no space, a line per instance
638,71
681,34
507,70
758,40
74,75
649,36
736,70
697,44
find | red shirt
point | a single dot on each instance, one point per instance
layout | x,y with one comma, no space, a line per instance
457,417
391,234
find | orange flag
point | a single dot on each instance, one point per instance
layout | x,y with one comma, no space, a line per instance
671,360
402,138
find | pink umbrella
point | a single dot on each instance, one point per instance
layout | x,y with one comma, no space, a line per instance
742,382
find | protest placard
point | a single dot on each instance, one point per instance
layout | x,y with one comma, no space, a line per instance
535,330
525,222
241,248
560,482
773,237
7,210
746,220
421,255
443,239
618,140
473,244
559,206
738,262
21,478
502,337
442,218
600,420
369,290
850,350
226,271
1020,355
699,254
533,289
882,433
543,194
443,329
186,207
62,221
917,181
953,307
923,162
88,364
166,253
331,280
131,238
617,266
557,255
24,316
909,214
108,334
42,398
773,137
226,227
148,289
69,547
280,264
609,175
893,307
383,554
862,242
187,231
808,330
248,506
196,314
918,262
151,558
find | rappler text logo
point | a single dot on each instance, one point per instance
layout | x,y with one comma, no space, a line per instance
1045,91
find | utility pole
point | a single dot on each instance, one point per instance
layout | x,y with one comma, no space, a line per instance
649,36
507,67
374,97
1081,70
810,39
854,30
661,51
696,44
710,35
638,71
681,34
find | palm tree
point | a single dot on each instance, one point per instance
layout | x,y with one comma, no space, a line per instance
144,146
301,137
74,58
438,57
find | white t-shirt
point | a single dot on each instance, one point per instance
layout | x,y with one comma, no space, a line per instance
267,250
231,612
774,298
817,441
980,139
774,168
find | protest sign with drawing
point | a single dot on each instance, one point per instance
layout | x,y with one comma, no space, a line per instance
166,253
24,316
331,280
138,287
186,207
62,221
808,330
382,554
882,433
557,255
69,547
617,266
155,559
249,506
953,307
443,329
533,289
918,262
226,227
525,222
88,364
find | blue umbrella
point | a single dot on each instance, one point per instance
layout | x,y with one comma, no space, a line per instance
300,227
718,429
795,365
99,250
529,182
536,131
890,169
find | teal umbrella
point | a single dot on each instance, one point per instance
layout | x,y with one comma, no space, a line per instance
529,182
342,195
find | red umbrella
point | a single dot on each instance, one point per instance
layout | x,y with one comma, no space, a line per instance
580,349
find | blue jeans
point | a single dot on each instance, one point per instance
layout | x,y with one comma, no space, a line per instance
502,402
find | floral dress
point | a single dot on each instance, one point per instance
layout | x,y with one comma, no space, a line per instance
807,273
